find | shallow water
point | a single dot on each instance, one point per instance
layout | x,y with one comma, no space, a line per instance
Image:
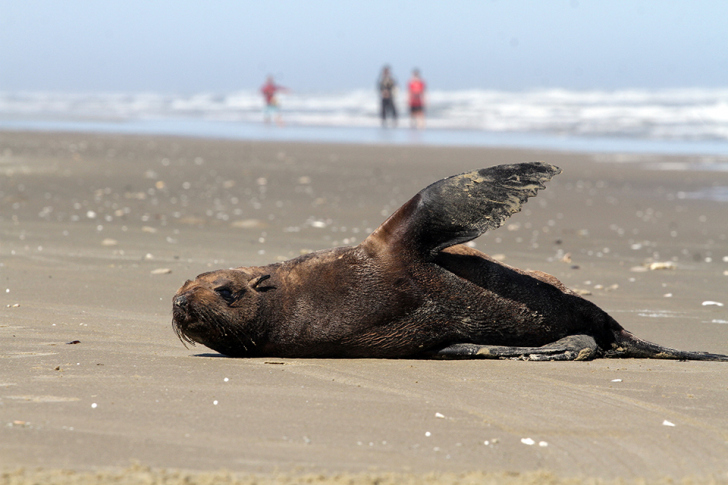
662,121
377,135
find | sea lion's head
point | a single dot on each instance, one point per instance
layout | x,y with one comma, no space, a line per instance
219,310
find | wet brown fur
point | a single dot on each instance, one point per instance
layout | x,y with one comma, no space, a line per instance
391,296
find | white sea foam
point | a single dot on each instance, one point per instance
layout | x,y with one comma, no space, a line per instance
667,114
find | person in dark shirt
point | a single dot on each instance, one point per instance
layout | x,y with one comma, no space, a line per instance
387,90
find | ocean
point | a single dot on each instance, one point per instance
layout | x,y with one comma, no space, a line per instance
665,121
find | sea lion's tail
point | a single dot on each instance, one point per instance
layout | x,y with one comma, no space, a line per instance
627,345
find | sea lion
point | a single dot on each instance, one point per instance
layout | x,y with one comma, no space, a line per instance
411,289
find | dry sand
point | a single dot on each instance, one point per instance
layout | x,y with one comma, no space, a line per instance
87,222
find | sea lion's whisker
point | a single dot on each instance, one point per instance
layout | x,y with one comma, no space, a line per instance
224,328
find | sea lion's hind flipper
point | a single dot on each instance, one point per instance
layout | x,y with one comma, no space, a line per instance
629,346
460,208
573,347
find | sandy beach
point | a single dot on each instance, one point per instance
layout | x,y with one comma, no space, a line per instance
97,232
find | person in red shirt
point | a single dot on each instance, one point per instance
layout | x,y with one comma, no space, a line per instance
417,100
272,109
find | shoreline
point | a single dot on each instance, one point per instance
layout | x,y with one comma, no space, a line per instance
375,135
625,120
87,221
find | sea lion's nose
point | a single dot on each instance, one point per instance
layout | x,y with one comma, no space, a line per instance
180,301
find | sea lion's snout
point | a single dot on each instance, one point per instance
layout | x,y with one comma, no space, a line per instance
183,307
180,302
181,319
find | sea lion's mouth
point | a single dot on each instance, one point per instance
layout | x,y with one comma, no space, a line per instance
182,319
180,313
180,324
195,324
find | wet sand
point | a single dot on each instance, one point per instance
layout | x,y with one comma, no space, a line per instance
98,231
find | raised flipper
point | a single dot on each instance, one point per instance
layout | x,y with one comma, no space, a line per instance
573,347
460,208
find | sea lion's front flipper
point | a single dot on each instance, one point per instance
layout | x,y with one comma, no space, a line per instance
573,347
460,208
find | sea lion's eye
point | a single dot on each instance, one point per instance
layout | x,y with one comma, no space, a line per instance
225,293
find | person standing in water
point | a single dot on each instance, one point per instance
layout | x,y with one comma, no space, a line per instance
417,100
387,89
272,108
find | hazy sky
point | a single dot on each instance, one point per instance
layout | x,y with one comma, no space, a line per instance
184,47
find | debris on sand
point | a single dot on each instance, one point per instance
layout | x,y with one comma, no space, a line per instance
659,265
